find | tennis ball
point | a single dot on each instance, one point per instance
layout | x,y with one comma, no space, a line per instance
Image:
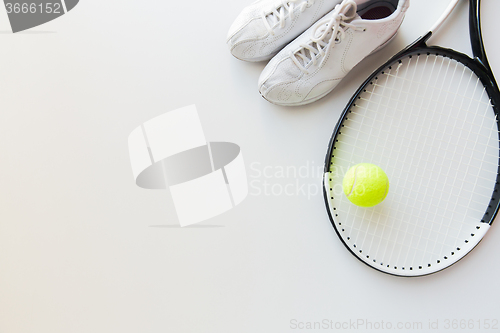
365,185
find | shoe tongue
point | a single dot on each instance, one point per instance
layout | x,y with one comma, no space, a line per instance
272,18
348,9
318,33
360,2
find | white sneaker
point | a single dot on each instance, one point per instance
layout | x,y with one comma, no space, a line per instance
266,26
313,64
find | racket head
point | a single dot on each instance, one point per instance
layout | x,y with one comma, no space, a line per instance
440,203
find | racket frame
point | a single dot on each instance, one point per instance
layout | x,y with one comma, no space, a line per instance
479,65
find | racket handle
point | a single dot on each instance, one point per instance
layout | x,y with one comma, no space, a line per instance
444,16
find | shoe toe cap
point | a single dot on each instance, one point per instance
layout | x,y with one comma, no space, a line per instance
280,94
284,93
245,50
321,89
246,41
280,82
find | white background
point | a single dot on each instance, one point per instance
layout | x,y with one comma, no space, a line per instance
82,249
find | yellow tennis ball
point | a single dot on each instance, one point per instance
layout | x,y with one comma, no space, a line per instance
365,185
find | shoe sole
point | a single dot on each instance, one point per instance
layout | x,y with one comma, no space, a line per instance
265,58
312,100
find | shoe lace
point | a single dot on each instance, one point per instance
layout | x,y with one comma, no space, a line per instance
329,32
279,14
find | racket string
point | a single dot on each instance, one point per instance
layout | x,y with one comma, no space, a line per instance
424,136
381,239
447,174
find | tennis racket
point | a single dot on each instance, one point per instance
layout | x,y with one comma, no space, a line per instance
429,118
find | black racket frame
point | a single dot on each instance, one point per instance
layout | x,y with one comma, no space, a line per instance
479,65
